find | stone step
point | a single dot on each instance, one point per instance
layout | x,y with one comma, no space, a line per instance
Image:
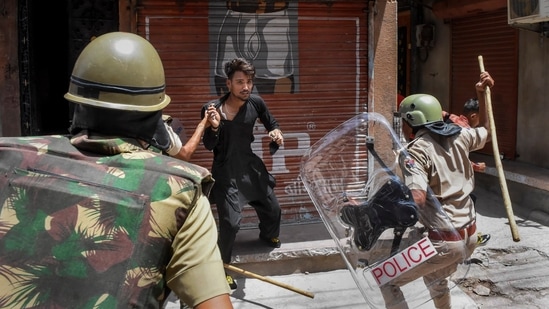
306,248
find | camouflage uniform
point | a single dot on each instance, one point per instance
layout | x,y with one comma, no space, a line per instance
103,223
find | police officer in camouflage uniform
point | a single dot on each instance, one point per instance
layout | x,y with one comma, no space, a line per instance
102,218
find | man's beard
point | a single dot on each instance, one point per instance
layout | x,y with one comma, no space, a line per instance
243,96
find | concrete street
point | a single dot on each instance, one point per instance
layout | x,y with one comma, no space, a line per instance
503,274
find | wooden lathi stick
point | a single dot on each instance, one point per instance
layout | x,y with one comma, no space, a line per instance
268,280
499,166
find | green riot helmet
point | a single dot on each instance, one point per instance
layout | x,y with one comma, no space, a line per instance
420,109
121,71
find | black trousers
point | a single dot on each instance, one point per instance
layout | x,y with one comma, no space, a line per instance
230,216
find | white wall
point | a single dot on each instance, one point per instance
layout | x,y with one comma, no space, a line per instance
533,98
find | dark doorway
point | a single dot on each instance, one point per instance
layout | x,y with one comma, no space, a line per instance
43,55
52,35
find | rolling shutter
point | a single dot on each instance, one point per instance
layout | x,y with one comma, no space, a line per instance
489,35
311,69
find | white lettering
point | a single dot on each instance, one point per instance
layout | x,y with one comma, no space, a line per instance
279,158
403,261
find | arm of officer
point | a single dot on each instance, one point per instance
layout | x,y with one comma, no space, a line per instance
195,272
420,196
210,119
485,81
217,302
187,150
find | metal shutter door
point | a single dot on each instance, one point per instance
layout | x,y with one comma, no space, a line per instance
489,35
319,51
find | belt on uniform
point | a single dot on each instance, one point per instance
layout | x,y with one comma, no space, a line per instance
451,235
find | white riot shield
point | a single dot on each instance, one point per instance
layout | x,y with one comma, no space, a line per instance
354,178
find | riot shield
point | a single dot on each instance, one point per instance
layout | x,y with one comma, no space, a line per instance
354,177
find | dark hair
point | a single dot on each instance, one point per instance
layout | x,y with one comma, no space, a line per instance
470,106
239,64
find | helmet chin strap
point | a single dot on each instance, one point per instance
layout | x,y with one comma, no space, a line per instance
134,124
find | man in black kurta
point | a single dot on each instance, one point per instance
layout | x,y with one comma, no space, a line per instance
240,175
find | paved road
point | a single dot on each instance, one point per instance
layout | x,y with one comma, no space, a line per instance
503,274
509,274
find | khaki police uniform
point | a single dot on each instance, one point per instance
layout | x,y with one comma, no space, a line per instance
441,165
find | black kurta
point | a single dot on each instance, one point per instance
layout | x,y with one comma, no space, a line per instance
235,165
240,175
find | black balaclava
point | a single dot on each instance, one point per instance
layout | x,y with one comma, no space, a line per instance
444,129
146,126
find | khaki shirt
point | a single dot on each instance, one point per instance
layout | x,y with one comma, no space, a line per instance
442,166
